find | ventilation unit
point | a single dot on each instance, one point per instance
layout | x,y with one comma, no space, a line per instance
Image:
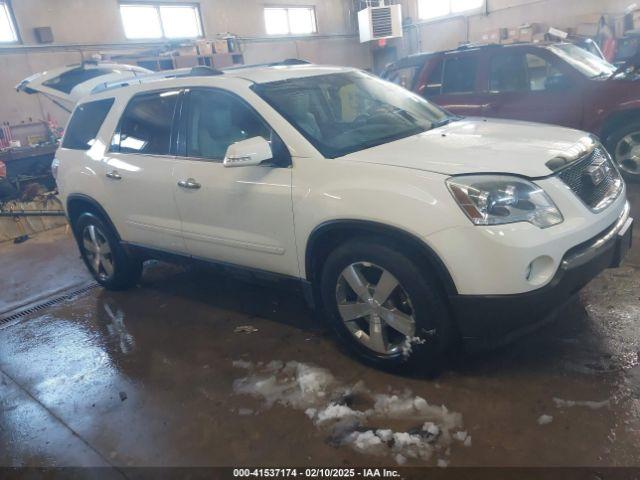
376,23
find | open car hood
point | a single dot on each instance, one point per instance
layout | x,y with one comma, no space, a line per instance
482,146
67,85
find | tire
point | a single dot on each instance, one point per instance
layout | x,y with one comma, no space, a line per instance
109,263
619,145
417,296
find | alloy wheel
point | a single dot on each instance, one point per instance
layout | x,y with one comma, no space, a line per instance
627,154
375,308
97,252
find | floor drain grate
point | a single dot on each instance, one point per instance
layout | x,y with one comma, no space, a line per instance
37,306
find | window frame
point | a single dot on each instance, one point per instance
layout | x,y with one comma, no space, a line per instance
451,13
173,137
287,8
157,5
281,155
12,23
446,59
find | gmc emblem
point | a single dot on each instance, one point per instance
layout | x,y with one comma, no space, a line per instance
597,173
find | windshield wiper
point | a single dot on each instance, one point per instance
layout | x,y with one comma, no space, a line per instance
445,121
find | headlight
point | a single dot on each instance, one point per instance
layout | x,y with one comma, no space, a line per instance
500,199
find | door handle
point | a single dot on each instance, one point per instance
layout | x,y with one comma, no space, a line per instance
189,183
114,175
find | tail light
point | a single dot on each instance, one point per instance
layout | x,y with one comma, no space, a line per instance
54,168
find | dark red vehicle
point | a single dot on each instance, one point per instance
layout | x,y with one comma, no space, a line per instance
560,84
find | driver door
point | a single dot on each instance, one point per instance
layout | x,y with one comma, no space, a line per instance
243,215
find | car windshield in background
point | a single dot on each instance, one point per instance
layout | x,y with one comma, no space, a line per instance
343,113
584,61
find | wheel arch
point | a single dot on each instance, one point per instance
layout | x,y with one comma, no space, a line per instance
78,203
617,120
327,236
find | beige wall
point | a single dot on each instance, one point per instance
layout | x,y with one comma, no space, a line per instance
92,26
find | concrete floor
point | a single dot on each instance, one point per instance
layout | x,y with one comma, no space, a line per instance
146,377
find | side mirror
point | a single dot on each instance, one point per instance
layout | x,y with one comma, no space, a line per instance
248,153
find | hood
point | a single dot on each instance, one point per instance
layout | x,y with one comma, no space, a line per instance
481,146
67,85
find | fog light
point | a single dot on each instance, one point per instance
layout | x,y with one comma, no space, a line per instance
540,270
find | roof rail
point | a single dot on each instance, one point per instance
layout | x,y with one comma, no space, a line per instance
201,71
283,63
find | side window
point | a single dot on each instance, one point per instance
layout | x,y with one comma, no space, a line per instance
508,73
544,76
85,124
405,77
216,120
460,74
433,85
145,126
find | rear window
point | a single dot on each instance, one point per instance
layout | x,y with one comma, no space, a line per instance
68,80
85,124
460,75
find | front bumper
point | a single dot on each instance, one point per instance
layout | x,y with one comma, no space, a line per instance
486,321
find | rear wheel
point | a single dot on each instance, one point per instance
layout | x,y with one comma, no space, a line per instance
108,262
387,311
624,146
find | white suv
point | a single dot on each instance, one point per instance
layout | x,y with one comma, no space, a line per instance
408,226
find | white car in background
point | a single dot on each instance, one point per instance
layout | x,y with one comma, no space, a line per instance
409,227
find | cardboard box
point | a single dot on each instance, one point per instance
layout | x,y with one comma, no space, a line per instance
185,50
204,47
495,36
222,60
527,32
221,46
184,61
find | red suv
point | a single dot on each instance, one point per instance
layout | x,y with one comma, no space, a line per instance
549,83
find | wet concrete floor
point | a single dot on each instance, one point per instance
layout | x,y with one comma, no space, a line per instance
145,377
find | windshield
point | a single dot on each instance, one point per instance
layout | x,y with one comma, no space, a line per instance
586,62
343,113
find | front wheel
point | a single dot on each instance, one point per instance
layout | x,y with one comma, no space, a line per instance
108,262
385,308
624,146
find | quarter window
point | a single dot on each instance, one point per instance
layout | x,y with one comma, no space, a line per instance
69,80
85,124
216,120
145,126
460,75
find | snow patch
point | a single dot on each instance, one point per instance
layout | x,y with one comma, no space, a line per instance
545,419
560,403
346,411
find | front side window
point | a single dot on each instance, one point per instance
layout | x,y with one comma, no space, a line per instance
460,75
85,124
433,85
290,20
143,21
520,72
216,120
8,32
145,126
343,113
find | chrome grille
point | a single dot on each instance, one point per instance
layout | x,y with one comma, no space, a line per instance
594,179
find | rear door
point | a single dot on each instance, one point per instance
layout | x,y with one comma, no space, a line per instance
66,85
138,172
531,84
451,81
